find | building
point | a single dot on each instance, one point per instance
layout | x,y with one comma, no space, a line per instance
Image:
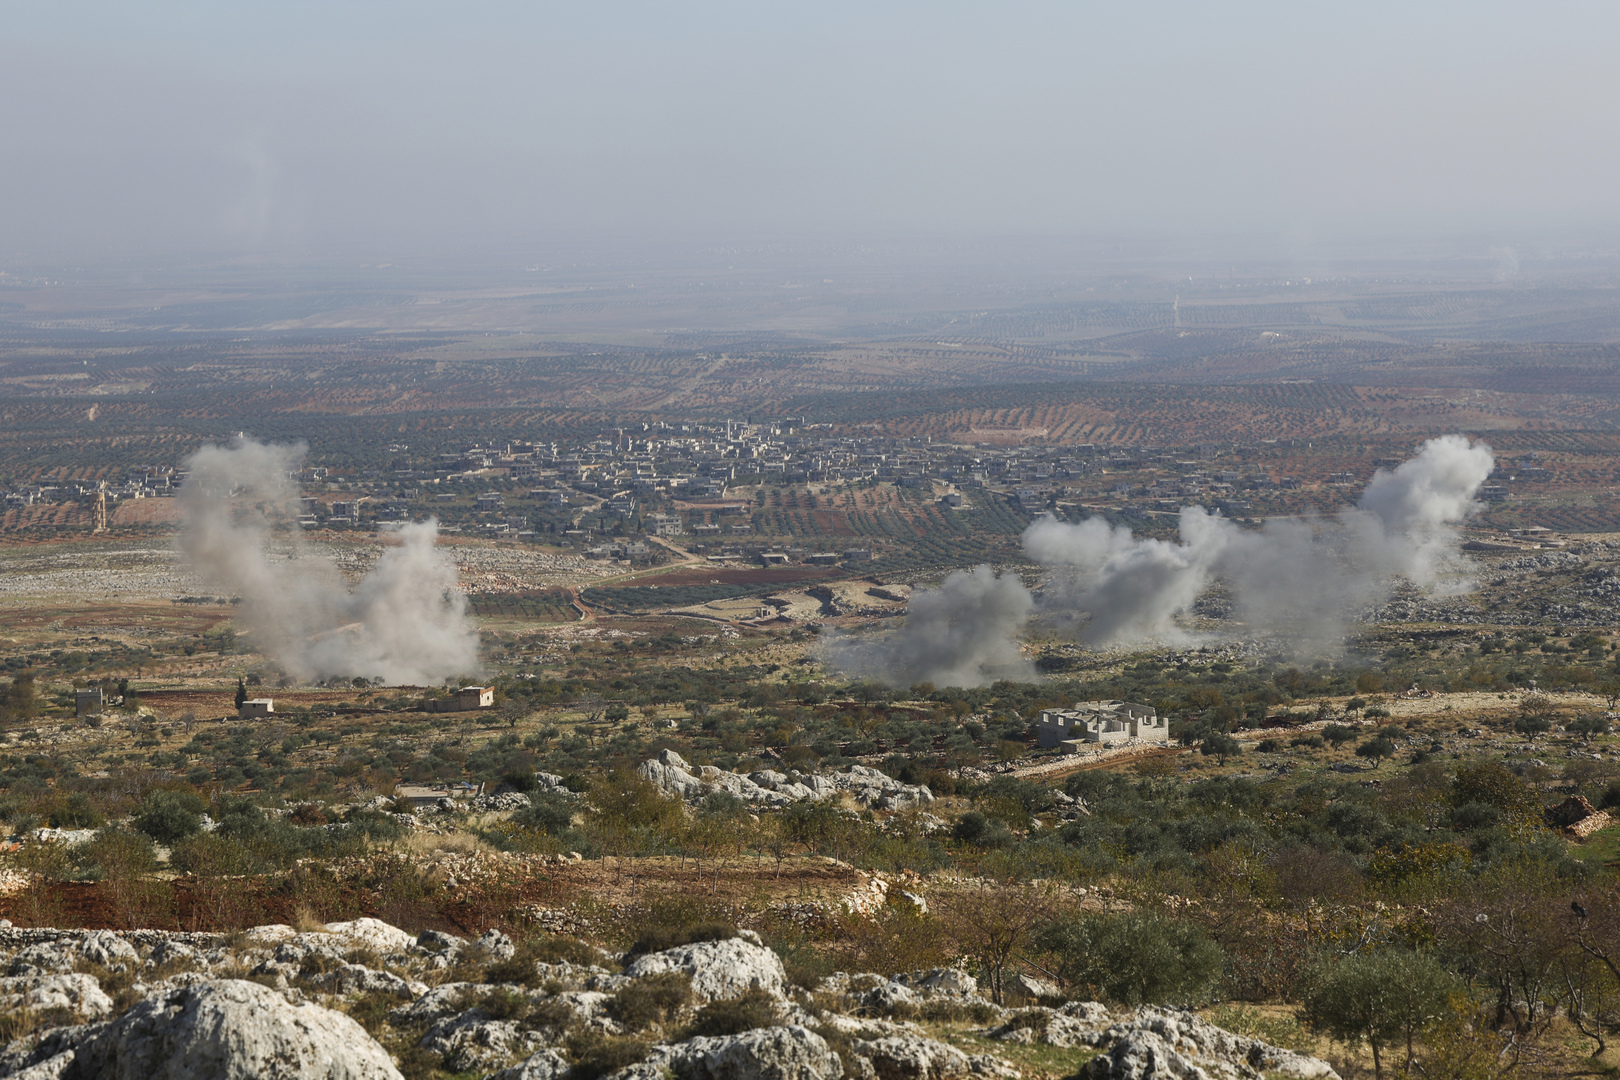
88,702
464,700
256,708
1101,722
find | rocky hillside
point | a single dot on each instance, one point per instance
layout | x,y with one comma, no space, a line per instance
363,999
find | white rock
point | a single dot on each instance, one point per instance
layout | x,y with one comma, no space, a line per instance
78,994
719,969
913,1057
373,934
773,1053
545,1065
232,1030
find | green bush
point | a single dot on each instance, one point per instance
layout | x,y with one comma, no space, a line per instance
1135,958
755,1009
169,816
1380,998
659,938
651,999
596,1054
549,813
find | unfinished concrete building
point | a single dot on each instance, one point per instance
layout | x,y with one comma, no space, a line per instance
1101,722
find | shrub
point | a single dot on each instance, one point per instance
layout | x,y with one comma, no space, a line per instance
169,816
596,1054
651,999
1378,998
1135,958
976,827
659,938
1339,734
755,1009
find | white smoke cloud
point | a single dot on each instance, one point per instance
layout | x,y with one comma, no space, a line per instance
1299,578
961,634
1294,576
404,622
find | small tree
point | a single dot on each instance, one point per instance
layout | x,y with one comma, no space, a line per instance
1135,957
241,694
1377,750
169,816
1379,998
1530,726
1220,747
1587,725
991,923
1338,734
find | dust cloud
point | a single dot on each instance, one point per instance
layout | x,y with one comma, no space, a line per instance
405,622
1299,578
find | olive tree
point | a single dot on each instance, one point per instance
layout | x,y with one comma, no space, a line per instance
1379,998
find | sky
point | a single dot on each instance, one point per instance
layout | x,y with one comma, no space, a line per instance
230,127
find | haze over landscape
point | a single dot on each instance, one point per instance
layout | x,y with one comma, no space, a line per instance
794,542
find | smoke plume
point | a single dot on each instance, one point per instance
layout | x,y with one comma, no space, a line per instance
1300,578
961,634
404,622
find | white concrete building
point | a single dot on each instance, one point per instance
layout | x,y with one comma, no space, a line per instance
1101,722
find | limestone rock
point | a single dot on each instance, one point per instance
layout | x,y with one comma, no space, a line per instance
1155,1044
231,1030
472,1041
942,980
545,1065
373,934
773,1053
913,1057
719,969
78,995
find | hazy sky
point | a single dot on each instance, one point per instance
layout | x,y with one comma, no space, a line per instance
231,126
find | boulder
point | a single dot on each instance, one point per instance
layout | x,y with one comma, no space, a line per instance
719,969
552,783
672,775
359,979
472,1041
502,801
75,994
545,1065
373,934
229,1030
1142,1055
1157,1043
773,1053
109,950
913,1057
940,980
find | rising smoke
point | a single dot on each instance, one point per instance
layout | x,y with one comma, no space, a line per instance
960,634
1299,578
404,622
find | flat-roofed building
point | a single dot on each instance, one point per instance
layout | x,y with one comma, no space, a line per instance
1101,722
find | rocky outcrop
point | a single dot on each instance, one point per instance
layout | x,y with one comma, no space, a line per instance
75,995
499,802
772,1053
190,1020
1158,1044
719,969
913,1057
767,787
225,1030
